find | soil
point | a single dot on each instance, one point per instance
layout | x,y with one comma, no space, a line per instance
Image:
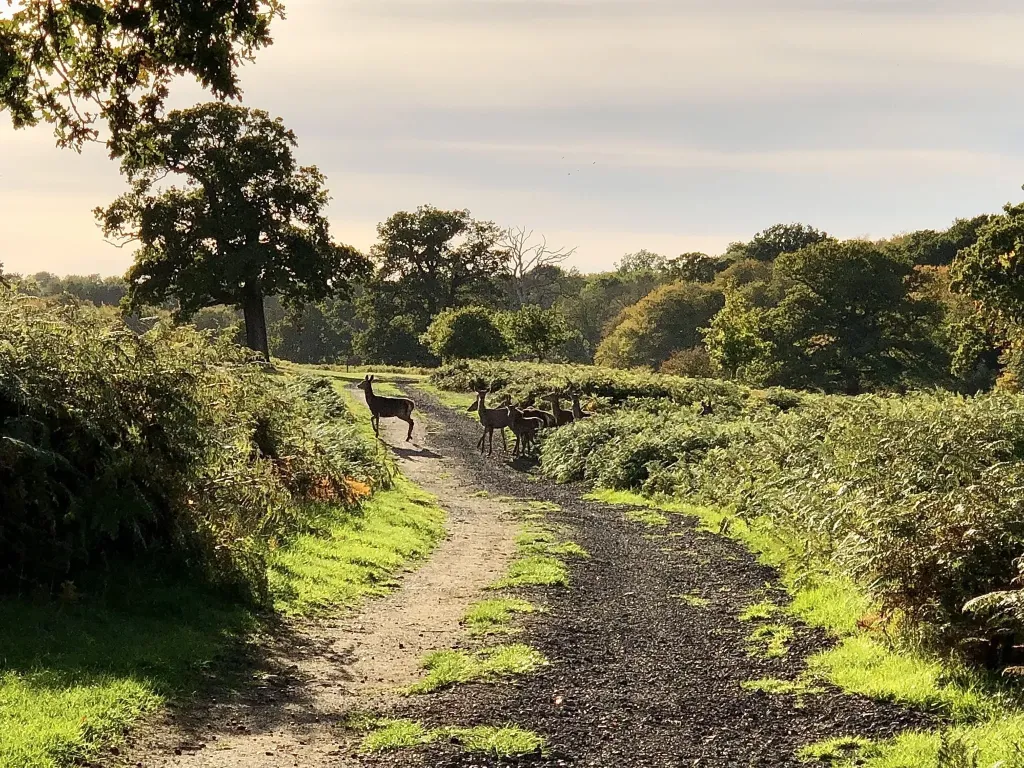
638,677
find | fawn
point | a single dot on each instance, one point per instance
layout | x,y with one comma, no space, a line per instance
386,407
525,429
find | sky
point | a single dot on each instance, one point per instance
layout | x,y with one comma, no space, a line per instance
606,125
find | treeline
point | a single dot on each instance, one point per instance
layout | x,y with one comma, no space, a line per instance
792,307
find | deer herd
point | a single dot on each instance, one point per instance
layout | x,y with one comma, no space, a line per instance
525,423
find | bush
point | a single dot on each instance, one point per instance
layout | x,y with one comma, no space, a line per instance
466,332
918,498
694,362
170,445
527,382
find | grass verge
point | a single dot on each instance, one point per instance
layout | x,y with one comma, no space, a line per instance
494,617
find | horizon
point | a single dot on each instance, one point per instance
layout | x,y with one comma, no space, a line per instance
608,126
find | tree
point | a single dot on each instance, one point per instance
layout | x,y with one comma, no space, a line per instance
737,340
82,63
536,332
694,267
991,271
668,319
778,239
246,223
431,259
641,261
466,332
931,248
531,269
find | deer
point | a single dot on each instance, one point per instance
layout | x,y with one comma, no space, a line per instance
386,407
561,417
577,410
490,419
706,409
524,427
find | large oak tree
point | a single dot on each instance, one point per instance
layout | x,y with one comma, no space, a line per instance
245,222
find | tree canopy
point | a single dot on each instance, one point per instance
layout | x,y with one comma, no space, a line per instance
80,64
778,239
536,332
466,332
246,223
668,319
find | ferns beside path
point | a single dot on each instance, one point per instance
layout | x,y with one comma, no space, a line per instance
170,445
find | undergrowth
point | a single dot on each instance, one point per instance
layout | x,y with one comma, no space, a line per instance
505,741
451,667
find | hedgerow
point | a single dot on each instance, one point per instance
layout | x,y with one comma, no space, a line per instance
171,445
918,497
528,382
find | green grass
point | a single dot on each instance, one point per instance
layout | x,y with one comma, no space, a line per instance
777,687
759,612
693,600
451,667
358,554
458,401
770,641
505,741
534,571
493,617
647,517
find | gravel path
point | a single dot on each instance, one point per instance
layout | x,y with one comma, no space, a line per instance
638,677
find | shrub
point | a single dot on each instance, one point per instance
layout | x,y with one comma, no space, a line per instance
694,362
916,497
466,332
170,445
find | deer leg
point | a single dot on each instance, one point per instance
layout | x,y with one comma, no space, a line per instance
411,422
480,442
375,423
504,442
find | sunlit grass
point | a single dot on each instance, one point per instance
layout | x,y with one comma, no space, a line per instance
451,667
504,741
492,617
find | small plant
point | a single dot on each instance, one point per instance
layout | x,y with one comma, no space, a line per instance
491,617
505,741
450,667
770,641
759,612
695,601
647,517
534,571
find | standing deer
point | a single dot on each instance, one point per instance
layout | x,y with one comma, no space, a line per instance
386,407
706,409
546,419
524,427
561,417
490,419
577,410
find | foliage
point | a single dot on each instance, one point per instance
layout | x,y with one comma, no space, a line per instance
535,332
694,362
528,382
668,319
991,271
466,332
507,741
114,445
840,316
247,223
916,497
778,239
931,248
447,668
78,64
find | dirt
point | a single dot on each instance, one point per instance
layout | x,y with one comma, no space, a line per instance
316,674
638,677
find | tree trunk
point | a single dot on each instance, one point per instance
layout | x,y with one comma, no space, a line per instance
255,322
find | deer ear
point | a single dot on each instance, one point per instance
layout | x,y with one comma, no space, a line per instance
371,377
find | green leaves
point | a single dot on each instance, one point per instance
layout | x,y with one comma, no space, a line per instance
84,64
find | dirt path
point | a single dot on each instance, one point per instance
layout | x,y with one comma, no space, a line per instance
639,677
315,676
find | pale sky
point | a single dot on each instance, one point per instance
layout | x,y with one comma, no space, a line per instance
610,125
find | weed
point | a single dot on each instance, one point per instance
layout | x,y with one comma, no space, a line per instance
506,741
396,734
759,612
693,600
778,687
647,517
534,571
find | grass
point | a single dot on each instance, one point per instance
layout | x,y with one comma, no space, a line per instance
76,673
647,517
358,553
458,401
693,600
534,571
493,617
505,741
770,641
759,612
452,667
777,687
